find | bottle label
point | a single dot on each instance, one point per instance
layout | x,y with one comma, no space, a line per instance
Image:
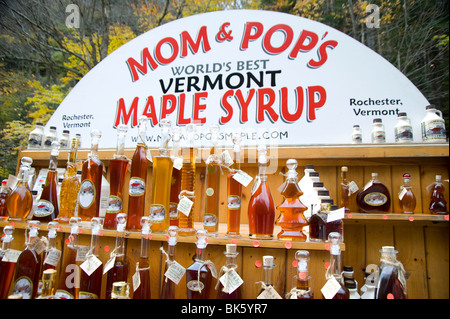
195,285
87,194
137,186
375,199
234,202
173,211
23,286
209,191
357,138
433,130
86,295
403,133
209,220
63,294
43,208
378,136
115,204
35,140
157,213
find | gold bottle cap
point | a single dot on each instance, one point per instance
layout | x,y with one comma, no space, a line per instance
49,274
120,288
15,296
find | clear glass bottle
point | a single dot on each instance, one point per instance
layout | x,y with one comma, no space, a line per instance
36,137
303,288
374,197
50,137
52,254
28,266
261,209
336,225
64,139
318,221
47,207
378,132
403,130
212,182
334,270
391,280
198,275
138,179
161,177
119,272
433,126
6,266
175,183
267,290
344,190
406,196
20,201
189,153
230,265
4,193
234,192
168,286
118,167
356,135
91,285
143,265
291,218
438,204
48,284
91,181
70,186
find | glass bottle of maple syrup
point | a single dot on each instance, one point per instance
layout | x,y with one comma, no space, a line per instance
212,182
175,183
91,181
267,290
118,167
291,218
234,192
91,284
189,153
143,265
70,276
70,185
20,201
391,280
198,275
344,190
438,204
374,197
302,280
119,270
230,266
28,266
7,266
51,254
333,224
168,286
261,209
161,179
4,193
48,284
47,207
334,270
318,221
138,178
406,196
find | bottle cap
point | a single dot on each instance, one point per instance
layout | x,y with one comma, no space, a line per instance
53,127
323,193
401,114
4,182
8,231
326,201
39,124
388,250
350,284
268,261
120,288
302,256
231,249
317,184
348,268
344,169
173,231
49,275
335,239
66,132
52,227
377,121
146,223
201,239
356,126
97,225
33,226
430,107
74,223
438,178
309,166
313,174
374,175
291,164
121,219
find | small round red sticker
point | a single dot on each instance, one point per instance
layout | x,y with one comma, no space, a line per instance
255,243
385,217
326,265
294,263
106,248
234,241
258,263
411,219
288,245
390,296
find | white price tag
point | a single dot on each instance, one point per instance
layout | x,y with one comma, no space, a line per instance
81,253
336,215
256,185
231,280
175,272
53,257
136,280
269,293
90,264
178,163
330,288
226,159
185,205
38,245
352,188
402,193
11,255
109,264
242,177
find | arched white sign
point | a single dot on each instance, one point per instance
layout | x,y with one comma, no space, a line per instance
276,77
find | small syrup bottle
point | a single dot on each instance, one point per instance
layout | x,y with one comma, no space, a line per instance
4,193
28,266
48,284
6,266
403,130
291,218
356,135
374,197
318,221
438,204
406,196
303,288
20,201
168,286
267,290
51,254
391,281
198,275
36,137
334,270
143,265
378,133
230,265
118,272
344,190
234,192
50,137
47,208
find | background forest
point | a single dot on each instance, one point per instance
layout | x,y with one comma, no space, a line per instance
41,58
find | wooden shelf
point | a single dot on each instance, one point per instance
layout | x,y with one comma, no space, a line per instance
354,218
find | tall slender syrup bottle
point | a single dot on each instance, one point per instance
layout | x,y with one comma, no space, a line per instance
161,178
303,288
374,197
438,204
334,270
20,201
212,182
70,185
291,217
391,281
52,254
7,266
118,170
234,192
69,278
143,265
261,209
189,153
91,283
47,207
4,193
119,270
198,275
91,181
175,183
344,190
138,178
168,286
267,290
230,267
28,266
406,196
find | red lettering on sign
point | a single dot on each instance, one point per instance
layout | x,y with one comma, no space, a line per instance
264,107
243,104
226,106
313,104
150,111
181,120
165,109
323,55
186,41
286,116
306,42
199,107
123,116
174,46
135,66
289,35
249,36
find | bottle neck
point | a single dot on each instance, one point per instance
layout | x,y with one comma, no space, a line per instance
200,254
145,245
94,244
73,155
94,148
406,182
120,243
267,277
230,260
335,262
6,244
262,172
23,174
